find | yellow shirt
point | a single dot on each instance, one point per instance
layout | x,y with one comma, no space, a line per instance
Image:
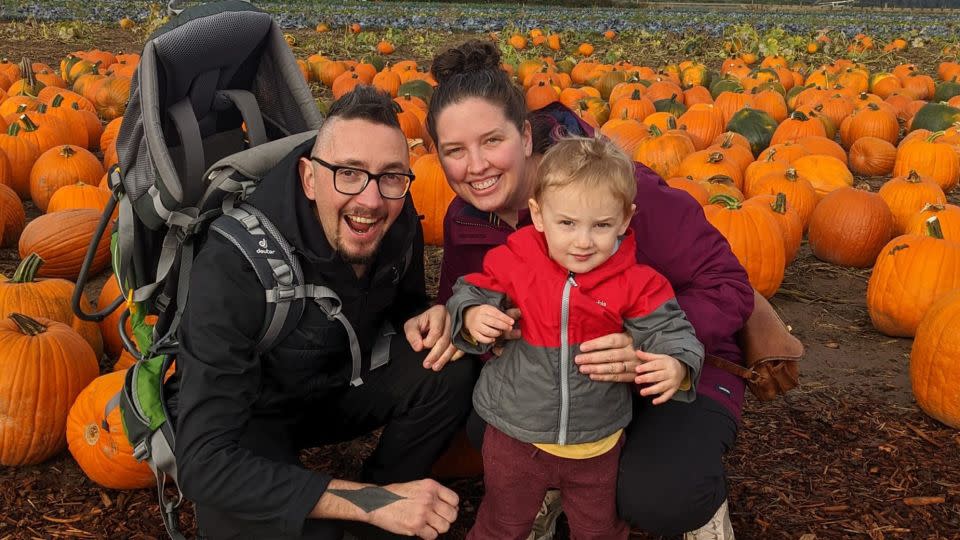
583,450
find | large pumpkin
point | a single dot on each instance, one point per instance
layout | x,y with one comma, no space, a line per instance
431,196
663,152
61,239
870,156
45,366
929,157
97,441
935,361
47,298
755,238
849,227
910,274
785,216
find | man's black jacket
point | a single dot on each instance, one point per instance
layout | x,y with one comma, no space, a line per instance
221,384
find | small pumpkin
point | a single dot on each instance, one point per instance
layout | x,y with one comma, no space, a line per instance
663,152
46,365
21,152
787,217
798,125
798,191
935,361
825,173
97,441
704,123
755,239
693,188
929,157
911,273
625,133
948,215
62,166
907,195
849,227
870,156
704,164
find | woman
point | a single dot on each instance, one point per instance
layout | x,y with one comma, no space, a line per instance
671,477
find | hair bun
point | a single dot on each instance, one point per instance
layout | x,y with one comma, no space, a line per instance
472,56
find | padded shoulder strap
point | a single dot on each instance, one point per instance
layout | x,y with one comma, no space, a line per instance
276,267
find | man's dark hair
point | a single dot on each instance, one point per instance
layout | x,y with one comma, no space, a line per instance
365,103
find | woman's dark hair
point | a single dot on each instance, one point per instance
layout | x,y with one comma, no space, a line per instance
470,70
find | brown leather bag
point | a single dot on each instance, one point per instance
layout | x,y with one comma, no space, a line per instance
772,355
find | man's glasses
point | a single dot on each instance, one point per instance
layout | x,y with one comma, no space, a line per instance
351,180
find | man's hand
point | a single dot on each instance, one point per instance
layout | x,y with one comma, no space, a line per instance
422,508
486,323
662,372
431,329
609,358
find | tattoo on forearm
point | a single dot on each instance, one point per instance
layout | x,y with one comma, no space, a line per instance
369,498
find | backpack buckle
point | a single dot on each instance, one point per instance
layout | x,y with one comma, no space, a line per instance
285,293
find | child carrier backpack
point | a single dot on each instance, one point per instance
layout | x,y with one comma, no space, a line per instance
215,103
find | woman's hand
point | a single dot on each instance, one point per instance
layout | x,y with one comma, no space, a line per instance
663,373
609,358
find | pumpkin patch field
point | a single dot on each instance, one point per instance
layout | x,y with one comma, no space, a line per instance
824,144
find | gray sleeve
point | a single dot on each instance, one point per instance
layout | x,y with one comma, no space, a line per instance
464,296
666,330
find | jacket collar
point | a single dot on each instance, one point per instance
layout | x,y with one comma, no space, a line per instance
530,246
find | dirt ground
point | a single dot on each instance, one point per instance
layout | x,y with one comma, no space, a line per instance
847,455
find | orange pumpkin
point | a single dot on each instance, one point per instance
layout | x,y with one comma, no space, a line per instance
704,123
704,164
825,173
61,239
46,365
47,298
722,185
625,133
796,126
935,361
12,216
431,196
787,217
798,191
97,441
79,195
911,273
823,146
663,152
21,153
755,238
947,214
110,325
930,158
871,121
786,152
907,195
62,166
870,156
111,97
693,188
849,227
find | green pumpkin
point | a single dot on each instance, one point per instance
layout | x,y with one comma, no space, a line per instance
566,65
935,117
417,88
725,85
670,105
756,125
946,90
607,81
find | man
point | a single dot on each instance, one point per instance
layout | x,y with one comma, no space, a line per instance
342,203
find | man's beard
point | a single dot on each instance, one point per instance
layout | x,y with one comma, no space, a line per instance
351,258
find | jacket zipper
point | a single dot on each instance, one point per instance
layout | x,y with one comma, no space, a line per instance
565,359
480,225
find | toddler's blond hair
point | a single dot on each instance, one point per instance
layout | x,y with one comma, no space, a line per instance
591,162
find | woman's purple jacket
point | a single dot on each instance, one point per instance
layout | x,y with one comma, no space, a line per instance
672,236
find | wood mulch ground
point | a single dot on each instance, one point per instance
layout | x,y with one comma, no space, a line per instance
846,456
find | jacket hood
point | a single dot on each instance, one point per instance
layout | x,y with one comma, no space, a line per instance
529,246
280,191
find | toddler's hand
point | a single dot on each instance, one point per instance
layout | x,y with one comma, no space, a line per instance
486,323
662,372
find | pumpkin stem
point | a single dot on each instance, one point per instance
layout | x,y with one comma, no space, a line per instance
913,177
935,135
91,434
635,95
655,131
14,129
715,157
57,100
780,203
27,325
932,207
67,151
933,228
791,174
724,200
797,115
727,140
27,269
672,122
42,108
28,123
873,106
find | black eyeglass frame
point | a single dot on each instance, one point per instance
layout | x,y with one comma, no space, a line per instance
370,176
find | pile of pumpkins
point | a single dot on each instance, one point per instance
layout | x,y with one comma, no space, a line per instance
58,131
